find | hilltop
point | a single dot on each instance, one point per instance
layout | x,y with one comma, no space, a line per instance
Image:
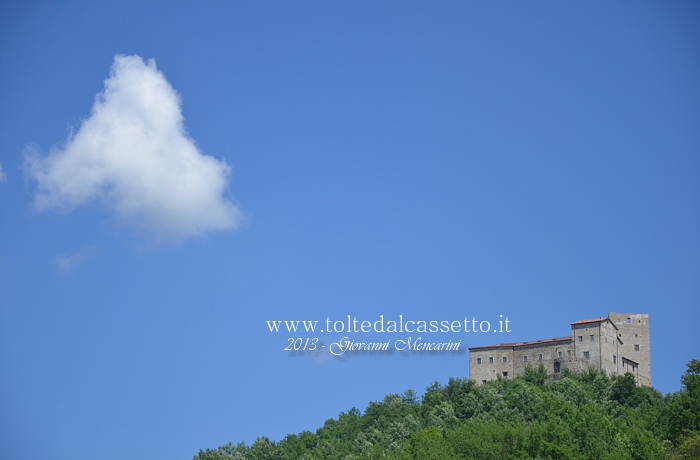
577,416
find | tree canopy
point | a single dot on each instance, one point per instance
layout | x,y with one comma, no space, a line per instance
578,416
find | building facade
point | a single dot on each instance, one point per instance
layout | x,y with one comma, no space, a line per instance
617,344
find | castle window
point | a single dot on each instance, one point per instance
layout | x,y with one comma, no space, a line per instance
505,374
478,360
580,338
490,359
505,359
636,347
525,358
483,381
540,357
587,355
592,337
636,335
568,352
614,359
629,320
560,354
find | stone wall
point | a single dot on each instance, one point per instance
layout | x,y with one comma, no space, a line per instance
534,354
615,344
633,331
494,362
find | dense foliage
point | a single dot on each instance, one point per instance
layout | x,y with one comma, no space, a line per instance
578,416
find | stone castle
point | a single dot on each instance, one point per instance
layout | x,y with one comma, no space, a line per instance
617,344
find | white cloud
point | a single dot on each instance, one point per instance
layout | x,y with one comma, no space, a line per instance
69,262
2,175
133,156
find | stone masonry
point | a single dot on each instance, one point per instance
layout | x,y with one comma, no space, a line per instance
617,344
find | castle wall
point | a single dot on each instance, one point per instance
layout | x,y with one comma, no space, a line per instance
573,363
536,353
609,348
616,344
586,338
495,361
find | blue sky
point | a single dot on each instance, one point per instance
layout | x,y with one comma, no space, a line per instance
300,161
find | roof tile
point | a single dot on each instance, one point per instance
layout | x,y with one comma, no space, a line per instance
593,320
521,344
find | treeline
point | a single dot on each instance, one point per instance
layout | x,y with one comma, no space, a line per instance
579,416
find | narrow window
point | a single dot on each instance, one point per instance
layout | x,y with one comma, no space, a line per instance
540,357
629,320
592,337
525,358
505,359
478,360
568,352
560,354
636,335
636,347
586,355
614,359
580,338
490,359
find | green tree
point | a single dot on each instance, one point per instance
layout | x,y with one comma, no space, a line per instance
226,452
536,375
690,447
264,449
429,444
433,395
578,416
690,389
441,416
625,390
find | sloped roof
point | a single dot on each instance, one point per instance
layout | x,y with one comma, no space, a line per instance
592,320
521,344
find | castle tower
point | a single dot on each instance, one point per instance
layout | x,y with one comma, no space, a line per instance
633,332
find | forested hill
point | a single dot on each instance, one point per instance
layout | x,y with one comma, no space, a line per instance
579,416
